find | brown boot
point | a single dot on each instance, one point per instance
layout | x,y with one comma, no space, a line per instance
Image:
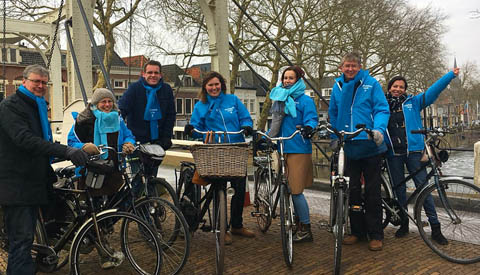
228,238
244,232
350,239
375,245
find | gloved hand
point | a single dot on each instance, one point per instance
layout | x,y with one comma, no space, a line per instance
263,144
306,132
247,130
334,144
377,137
128,148
77,156
90,149
188,129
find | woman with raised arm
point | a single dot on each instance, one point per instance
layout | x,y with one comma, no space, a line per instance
218,111
405,148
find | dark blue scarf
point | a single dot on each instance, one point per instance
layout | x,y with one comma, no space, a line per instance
42,112
153,113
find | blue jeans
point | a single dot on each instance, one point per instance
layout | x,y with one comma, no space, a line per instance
397,171
20,222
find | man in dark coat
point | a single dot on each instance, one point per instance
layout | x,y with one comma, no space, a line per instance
148,106
26,175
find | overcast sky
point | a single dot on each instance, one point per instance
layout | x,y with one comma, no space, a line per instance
463,32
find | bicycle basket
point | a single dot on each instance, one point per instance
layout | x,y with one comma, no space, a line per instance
226,160
96,171
151,154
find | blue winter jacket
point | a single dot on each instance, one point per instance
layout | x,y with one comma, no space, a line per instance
306,116
230,115
413,105
367,105
124,135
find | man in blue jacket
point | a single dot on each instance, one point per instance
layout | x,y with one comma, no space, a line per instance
357,98
405,148
148,106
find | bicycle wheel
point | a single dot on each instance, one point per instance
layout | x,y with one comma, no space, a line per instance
463,234
286,222
122,235
386,204
172,231
220,229
262,200
338,230
164,190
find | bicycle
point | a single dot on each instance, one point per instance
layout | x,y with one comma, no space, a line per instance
162,215
141,163
339,194
194,205
264,202
457,203
86,230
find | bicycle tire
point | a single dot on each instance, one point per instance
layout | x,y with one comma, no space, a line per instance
338,231
164,190
386,201
286,222
172,231
464,235
128,244
262,200
220,230
62,220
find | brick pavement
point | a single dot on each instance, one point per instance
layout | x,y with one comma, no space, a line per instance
263,254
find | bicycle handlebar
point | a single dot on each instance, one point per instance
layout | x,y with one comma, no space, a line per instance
278,138
430,132
341,134
219,132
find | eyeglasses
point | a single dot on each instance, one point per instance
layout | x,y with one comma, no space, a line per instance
38,81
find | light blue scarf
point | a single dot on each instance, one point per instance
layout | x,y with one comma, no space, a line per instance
288,95
153,113
42,111
104,123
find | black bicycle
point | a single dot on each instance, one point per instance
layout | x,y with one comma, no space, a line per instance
98,239
266,183
457,203
195,206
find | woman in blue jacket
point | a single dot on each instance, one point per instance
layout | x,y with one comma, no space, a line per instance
406,148
297,109
100,123
217,111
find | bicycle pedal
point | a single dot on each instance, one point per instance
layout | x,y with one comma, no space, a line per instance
257,214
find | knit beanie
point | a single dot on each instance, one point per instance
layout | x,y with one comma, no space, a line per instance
390,83
101,93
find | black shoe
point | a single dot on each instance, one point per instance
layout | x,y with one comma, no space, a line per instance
402,231
304,234
437,235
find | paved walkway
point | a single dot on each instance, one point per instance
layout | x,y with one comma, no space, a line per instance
263,254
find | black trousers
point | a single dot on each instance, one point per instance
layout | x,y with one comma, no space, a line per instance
236,204
368,220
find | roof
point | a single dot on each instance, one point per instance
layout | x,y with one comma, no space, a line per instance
116,59
172,72
249,80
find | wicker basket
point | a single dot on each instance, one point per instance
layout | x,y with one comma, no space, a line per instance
225,160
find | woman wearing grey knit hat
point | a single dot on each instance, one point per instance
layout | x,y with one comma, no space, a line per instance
100,123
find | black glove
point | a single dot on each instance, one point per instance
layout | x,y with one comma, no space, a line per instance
77,156
247,130
306,132
188,129
262,144
165,142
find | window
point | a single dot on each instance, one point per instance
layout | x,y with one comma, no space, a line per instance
187,81
4,54
252,106
2,87
13,55
179,106
238,82
245,102
327,91
195,100
118,83
261,106
188,106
